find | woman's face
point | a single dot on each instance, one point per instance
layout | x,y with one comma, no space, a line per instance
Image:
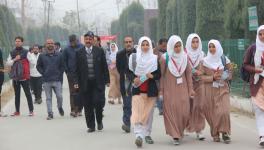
177,47
113,48
195,43
261,35
145,46
212,48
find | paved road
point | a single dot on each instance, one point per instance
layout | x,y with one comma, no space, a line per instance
66,133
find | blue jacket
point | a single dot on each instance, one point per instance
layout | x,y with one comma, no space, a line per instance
69,55
51,66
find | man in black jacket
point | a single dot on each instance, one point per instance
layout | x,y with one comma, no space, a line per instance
91,76
126,78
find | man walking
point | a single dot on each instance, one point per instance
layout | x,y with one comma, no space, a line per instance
126,78
51,65
20,74
69,54
91,76
35,76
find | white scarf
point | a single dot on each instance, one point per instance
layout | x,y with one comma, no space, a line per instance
112,56
258,54
213,61
180,59
146,62
195,55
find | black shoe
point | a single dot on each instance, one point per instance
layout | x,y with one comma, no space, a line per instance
100,126
139,142
126,128
39,101
149,140
50,117
61,111
176,141
226,138
73,114
161,113
90,130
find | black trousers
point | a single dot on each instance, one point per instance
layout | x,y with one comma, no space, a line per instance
93,103
1,84
17,87
36,86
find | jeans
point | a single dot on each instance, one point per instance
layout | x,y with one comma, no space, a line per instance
126,109
56,86
17,87
160,104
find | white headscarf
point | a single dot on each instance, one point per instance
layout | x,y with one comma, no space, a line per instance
259,53
195,56
180,59
146,62
214,61
112,56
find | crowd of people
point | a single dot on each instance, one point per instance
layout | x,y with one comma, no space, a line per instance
188,86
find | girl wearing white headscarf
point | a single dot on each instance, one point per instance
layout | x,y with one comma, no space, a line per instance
176,88
217,102
195,57
256,53
144,65
114,89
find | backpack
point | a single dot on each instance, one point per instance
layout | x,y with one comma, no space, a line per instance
17,71
244,74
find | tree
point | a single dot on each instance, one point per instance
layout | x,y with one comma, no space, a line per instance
153,26
162,18
210,19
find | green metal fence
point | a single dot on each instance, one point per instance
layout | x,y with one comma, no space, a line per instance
234,49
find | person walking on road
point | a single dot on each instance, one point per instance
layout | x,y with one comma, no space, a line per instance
51,66
20,74
1,81
126,79
91,77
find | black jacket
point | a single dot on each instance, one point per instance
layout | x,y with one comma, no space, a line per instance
152,86
100,68
51,66
122,58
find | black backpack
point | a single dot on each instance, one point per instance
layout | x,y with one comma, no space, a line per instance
244,74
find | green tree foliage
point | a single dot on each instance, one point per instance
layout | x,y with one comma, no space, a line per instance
153,27
162,18
130,22
210,19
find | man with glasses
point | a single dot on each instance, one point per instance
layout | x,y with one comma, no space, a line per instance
126,78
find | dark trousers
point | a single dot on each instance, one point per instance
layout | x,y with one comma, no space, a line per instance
92,100
75,100
17,87
36,86
126,109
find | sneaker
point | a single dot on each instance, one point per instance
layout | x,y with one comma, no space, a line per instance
100,126
176,141
50,117
217,139
31,114
15,114
61,111
126,128
39,101
139,142
149,140
161,113
226,138
90,130
200,136
261,141
2,114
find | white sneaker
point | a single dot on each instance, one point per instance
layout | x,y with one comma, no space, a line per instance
200,136
261,141
2,114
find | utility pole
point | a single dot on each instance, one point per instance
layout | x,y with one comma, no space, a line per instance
45,12
23,21
48,22
78,17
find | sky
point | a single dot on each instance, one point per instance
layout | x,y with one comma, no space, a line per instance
91,11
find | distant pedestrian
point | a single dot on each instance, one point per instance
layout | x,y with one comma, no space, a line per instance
1,81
